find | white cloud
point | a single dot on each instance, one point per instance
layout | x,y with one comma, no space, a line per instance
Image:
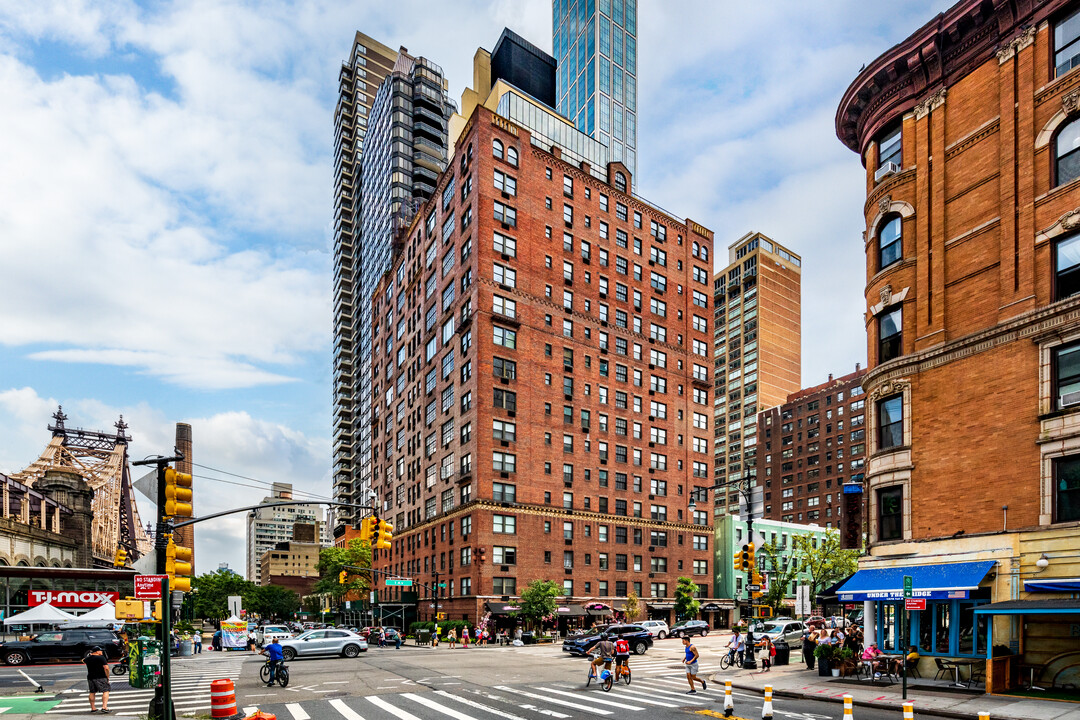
234,442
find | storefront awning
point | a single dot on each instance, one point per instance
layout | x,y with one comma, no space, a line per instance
1053,585
830,594
500,608
661,606
571,611
932,582
599,612
1055,606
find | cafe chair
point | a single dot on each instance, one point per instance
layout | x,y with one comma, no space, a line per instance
913,669
943,668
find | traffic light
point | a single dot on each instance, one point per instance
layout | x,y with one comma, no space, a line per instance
756,580
744,557
384,535
120,560
177,494
342,577
365,531
752,565
738,560
157,610
129,609
178,566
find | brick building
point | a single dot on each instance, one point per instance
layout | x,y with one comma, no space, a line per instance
294,564
541,380
968,130
811,446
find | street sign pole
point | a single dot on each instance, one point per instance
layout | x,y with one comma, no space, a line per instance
905,623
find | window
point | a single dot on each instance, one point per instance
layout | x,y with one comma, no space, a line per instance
503,492
504,399
503,306
1066,375
505,245
502,430
503,462
890,513
505,337
890,335
1066,45
505,183
1067,267
504,524
620,182
502,585
890,422
568,186
512,156
889,148
1067,489
504,368
505,214
890,249
497,149
503,555
504,275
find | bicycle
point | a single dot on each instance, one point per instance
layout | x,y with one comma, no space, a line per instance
622,669
726,661
281,676
606,677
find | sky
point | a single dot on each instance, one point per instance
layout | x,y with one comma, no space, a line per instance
166,201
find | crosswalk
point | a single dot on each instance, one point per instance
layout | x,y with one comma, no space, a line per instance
654,688
190,688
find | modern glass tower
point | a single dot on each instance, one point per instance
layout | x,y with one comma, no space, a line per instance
595,44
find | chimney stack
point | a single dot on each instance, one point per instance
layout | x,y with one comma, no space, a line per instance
186,535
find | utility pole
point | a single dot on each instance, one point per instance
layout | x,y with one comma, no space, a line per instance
749,661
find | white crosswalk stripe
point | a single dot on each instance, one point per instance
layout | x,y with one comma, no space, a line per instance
396,712
576,706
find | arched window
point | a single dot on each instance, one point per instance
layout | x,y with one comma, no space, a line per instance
1067,267
497,148
704,252
890,247
511,156
620,182
1067,153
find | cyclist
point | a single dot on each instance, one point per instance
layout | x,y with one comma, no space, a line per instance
605,650
735,648
622,654
273,652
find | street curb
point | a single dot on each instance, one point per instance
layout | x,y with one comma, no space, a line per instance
869,703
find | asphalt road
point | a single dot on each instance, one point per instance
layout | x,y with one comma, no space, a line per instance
490,683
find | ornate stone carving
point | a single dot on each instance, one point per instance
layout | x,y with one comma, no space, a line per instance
1065,223
1018,43
1070,102
933,102
884,204
889,387
886,295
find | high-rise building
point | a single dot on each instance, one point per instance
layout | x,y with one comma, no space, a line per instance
811,452
595,43
757,356
542,404
972,310
268,526
404,150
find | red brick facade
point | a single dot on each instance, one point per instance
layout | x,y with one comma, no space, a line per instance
976,422
542,456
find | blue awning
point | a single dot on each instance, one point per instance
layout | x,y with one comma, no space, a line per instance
932,582
1053,585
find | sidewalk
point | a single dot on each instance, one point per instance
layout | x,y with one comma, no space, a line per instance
795,681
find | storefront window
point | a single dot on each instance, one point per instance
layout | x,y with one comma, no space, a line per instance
942,619
888,627
926,629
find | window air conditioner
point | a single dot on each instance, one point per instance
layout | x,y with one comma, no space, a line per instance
889,168
1068,399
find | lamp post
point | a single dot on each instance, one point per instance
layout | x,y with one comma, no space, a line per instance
745,489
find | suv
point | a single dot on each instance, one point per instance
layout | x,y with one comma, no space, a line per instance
640,639
658,628
788,630
268,633
690,627
68,645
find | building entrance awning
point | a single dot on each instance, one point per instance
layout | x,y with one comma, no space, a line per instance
947,581
500,608
1053,585
661,606
570,611
1054,606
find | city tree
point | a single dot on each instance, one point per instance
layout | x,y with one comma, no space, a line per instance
538,600
633,609
686,605
824,561
210,593
782,571
333,560
272,601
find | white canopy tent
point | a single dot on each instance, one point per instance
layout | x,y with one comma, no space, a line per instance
99,617
44,614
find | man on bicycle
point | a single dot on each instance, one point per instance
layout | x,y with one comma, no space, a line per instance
605,650
622,654
735,648
273,652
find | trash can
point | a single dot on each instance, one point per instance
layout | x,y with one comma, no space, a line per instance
423,637
528,638
187,648
783,652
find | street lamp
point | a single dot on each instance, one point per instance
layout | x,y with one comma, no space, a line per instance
745,489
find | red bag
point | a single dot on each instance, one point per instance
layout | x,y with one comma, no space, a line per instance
772,651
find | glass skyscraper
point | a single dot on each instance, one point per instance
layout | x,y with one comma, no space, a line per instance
595,43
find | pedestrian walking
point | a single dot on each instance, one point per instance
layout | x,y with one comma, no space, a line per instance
198,641
451,637
809,645
435,637
477,634
690,660
251,640
465,638
97,678
397,641
767,652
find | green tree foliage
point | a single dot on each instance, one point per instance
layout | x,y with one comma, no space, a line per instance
686,605
781,572
272,601
211,593
332,560
538,600
634,609
825,564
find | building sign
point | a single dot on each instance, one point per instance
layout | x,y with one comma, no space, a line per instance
73,599
898,595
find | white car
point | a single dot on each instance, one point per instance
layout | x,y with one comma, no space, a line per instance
266,634
324,642
658,628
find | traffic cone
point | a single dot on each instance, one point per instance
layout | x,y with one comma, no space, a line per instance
729,702
848,701
909,712
766,708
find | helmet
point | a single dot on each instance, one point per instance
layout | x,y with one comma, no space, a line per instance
604,636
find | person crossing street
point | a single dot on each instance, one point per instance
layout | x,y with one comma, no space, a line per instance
691,662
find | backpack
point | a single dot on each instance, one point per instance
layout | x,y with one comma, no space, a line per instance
622,647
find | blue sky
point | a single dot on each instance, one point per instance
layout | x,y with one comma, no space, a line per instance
166,200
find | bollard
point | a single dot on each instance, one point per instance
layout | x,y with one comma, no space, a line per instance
766,708
909,711
729,702
983,715
222,699
848,700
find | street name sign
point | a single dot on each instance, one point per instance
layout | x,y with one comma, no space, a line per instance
753,588
907,587
402,582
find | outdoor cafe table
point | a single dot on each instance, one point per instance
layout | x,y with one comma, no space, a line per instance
956,665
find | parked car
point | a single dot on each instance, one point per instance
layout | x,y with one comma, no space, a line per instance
690,627
789,630
324,642
640,639
268,633
69,645
658,628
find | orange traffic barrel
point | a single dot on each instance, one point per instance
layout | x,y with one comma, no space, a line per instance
222,699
